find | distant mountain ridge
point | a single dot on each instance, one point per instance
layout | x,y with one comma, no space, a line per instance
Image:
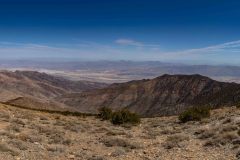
39,85
161,96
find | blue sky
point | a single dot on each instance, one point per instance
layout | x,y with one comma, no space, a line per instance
189,31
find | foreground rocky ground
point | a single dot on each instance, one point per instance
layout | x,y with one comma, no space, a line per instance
26,134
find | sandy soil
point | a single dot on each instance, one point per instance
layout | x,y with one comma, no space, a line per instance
26,134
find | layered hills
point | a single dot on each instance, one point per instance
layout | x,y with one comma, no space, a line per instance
161,96
39,114
37,90
39,85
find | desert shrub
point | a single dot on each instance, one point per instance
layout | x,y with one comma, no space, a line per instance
115,133
18,122
222,139
169,130
175,141
94,157
227,120
5,148
14,128
56,139
194,114
56,148
18,144
229,128
34,138
73,127
105,113
125,116
118,152
120,142
207,134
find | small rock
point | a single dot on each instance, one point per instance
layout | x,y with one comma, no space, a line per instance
71,156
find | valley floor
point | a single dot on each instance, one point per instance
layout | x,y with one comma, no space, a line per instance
34,135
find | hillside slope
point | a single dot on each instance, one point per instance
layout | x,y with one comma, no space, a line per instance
38,85
27,134
164,95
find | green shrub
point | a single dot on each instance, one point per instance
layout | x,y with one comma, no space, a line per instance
125,116
105,113
194,114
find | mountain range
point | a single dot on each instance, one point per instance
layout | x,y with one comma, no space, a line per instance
161,96
121,71
35,89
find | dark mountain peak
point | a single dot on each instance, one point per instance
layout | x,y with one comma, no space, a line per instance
164,95
182,76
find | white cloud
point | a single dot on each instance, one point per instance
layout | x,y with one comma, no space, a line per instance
129,42
228,47
97,51
87,51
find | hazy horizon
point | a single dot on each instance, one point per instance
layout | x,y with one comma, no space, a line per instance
203,32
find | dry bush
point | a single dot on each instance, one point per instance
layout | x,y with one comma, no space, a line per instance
59,123
124,116
4,133
175,141
56,138
94,157
73,127
45,122
5,148
105,113
194,114
5,116
222,139
115,133
229,128
151,133
100,130
67,141
13,128
118,152
59,139
43,118
205,134
18,144
48,130
227,120
56,148
169,130
26,116
22,137
18,122
120,142
34,138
